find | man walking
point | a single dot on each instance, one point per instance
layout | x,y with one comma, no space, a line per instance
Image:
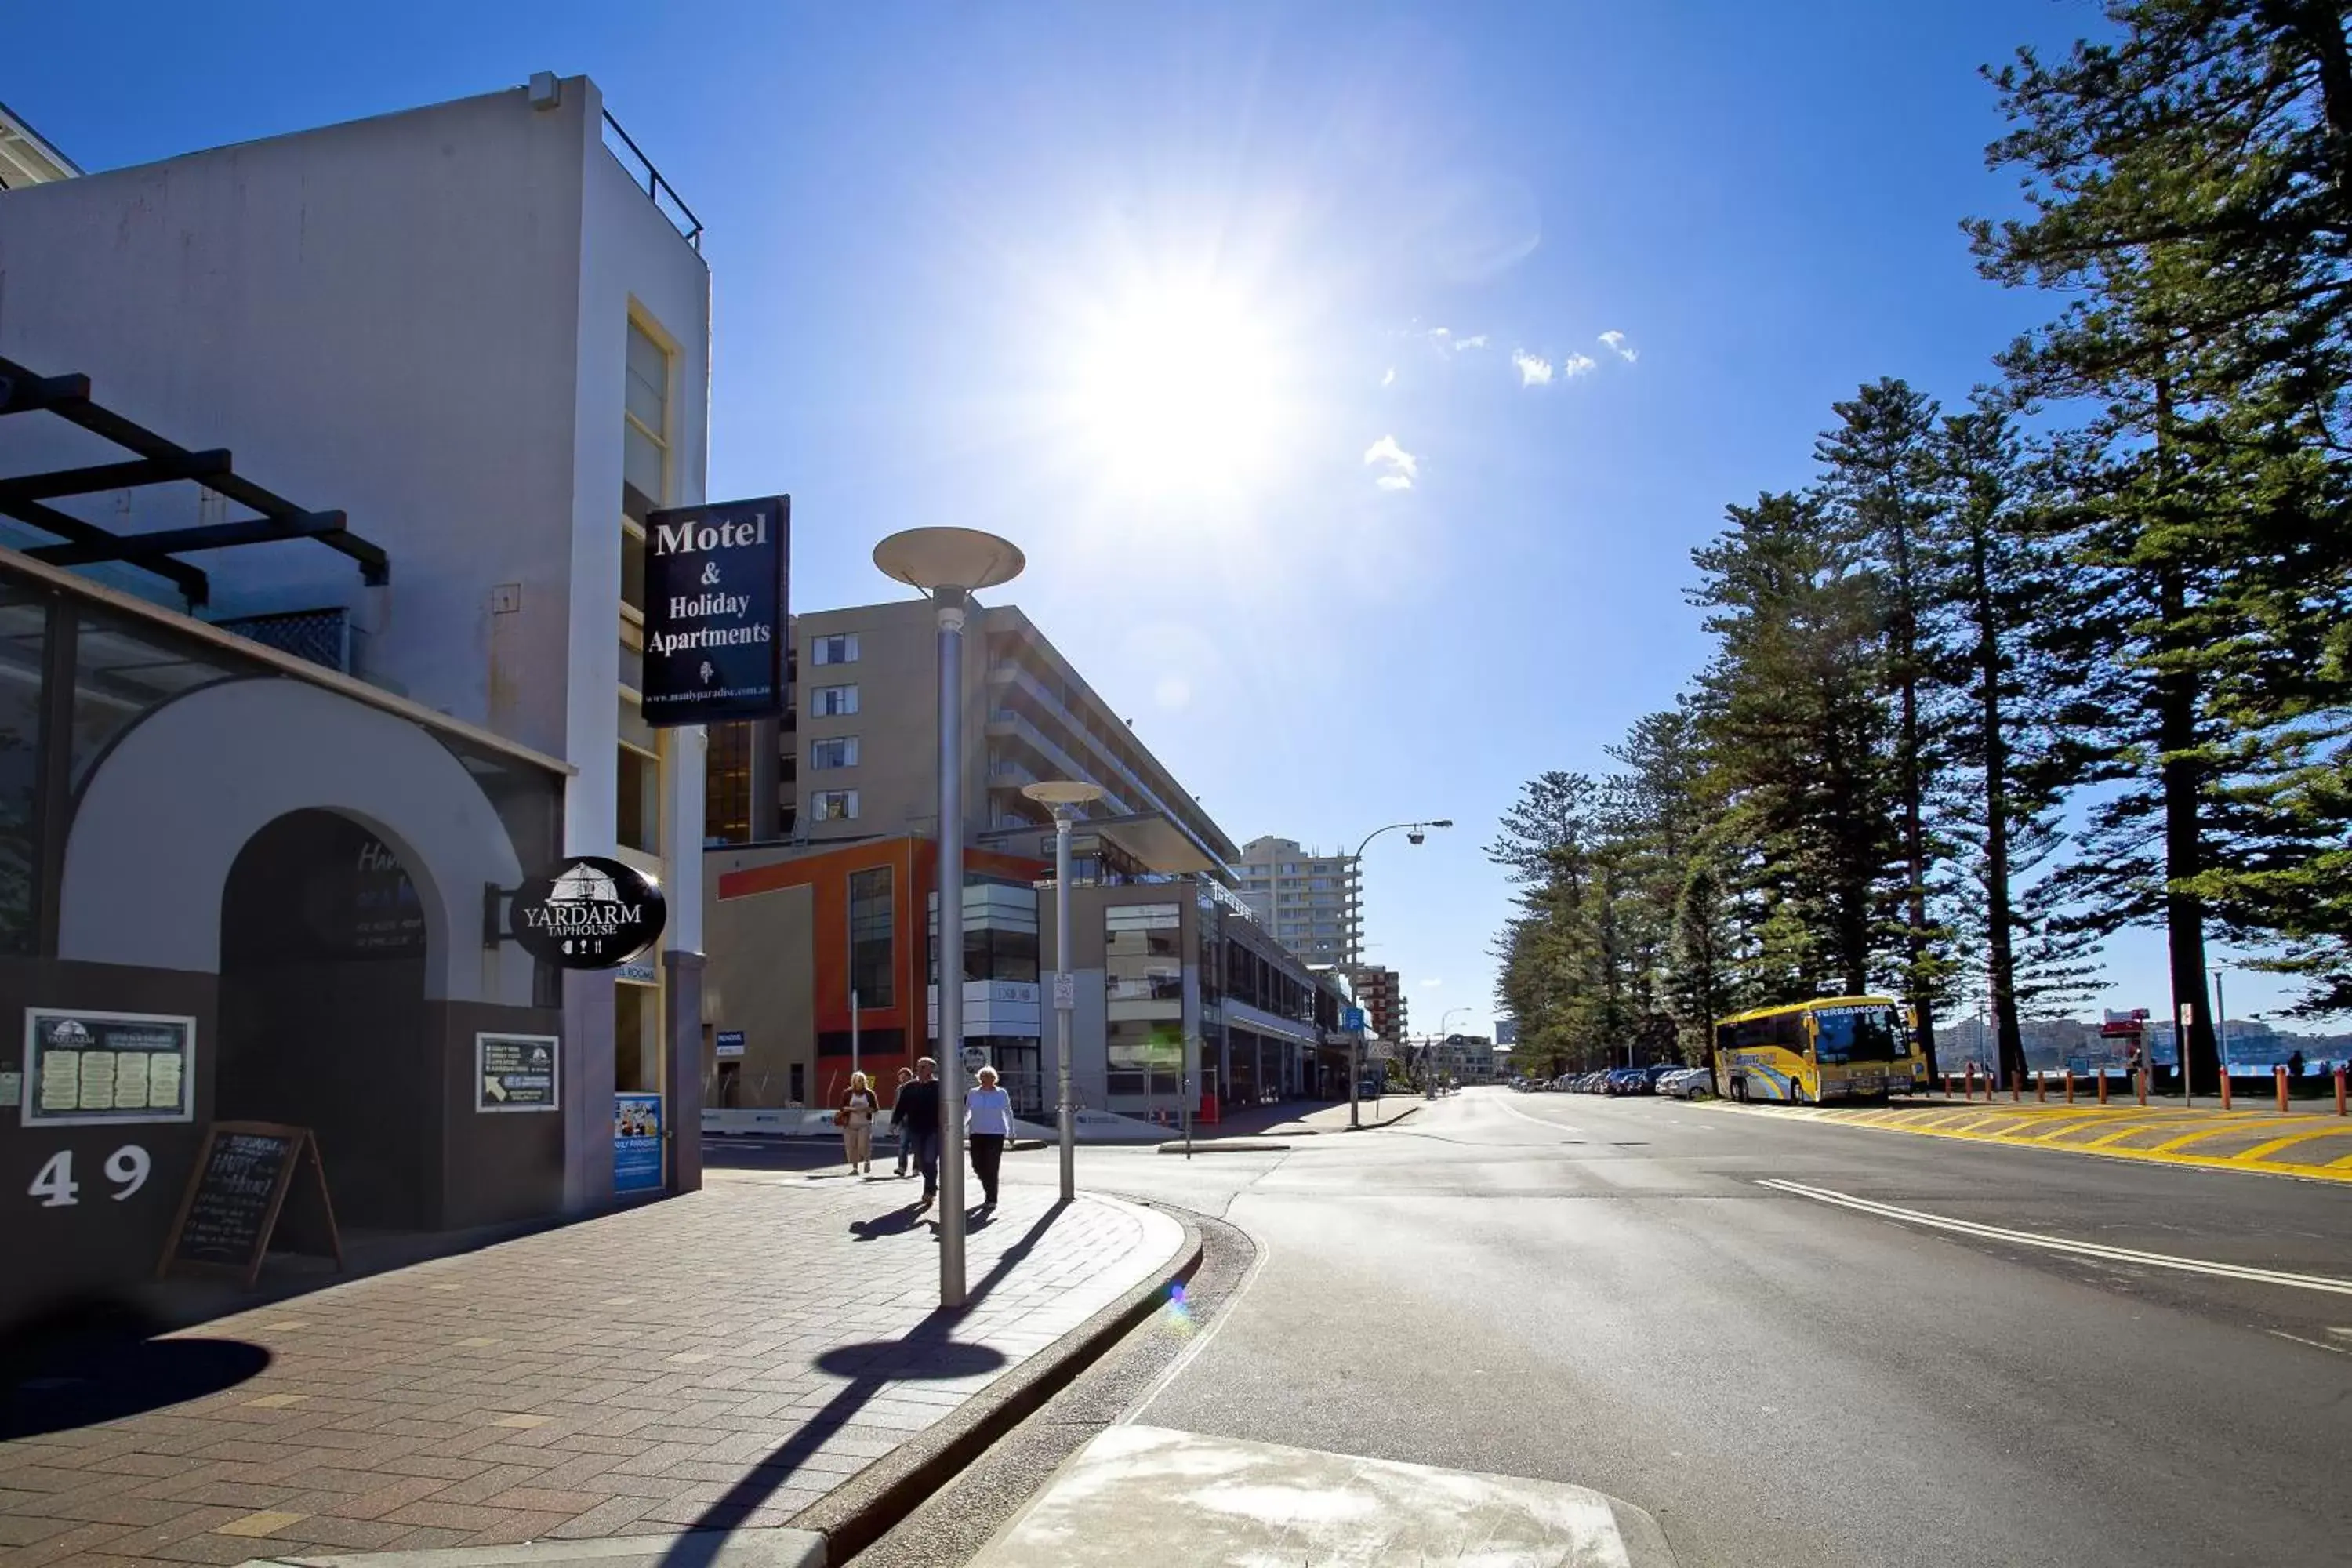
898,1117
919,1113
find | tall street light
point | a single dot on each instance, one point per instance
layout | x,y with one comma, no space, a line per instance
949,564
1064,796
1416,832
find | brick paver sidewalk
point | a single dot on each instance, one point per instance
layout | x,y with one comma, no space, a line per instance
723,1359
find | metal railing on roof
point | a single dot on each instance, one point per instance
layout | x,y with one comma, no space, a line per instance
656,187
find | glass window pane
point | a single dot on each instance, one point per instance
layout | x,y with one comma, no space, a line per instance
637,802
648,381
24,622
641,464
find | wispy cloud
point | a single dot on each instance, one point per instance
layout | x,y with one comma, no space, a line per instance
1534,371
1431,984
1439,332
1477,342
1616,344
1401,463
1388,376
1577,365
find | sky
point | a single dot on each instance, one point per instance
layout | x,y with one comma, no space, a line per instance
1358,377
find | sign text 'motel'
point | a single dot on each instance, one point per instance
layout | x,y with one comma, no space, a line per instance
715,611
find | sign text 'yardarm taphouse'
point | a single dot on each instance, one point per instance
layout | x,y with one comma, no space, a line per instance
715,611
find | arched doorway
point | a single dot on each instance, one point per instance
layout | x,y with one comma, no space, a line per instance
323,1021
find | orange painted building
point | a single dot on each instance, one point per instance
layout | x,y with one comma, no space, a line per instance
791,932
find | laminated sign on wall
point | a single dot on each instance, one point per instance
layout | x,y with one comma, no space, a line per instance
715,611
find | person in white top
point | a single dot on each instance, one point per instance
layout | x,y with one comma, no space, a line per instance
855,1118
988,1119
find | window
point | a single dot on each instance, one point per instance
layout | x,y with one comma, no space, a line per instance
1145,1055
644,426
833,805
839,648
833,752
1143,957
872,955
636,801
833,702
727,786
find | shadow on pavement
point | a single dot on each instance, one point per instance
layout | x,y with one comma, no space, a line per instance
926,1353
93,1366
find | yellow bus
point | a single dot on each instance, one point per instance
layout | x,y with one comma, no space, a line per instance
1834,1047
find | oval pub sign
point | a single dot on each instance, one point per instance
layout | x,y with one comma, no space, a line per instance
590,913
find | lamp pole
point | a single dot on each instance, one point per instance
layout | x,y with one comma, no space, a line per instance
949,564
1355,950
1064,797
2220,1026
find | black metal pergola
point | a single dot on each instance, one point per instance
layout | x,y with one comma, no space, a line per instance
152,460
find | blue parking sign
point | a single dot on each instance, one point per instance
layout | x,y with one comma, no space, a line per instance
1352,1019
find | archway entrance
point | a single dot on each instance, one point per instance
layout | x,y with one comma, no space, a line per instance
323,1021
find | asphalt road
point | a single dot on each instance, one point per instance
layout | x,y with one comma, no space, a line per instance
1600,1292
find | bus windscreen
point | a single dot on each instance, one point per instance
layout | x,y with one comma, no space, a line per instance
1854,1034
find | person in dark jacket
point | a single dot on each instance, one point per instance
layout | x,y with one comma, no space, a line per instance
898,1117
918,1112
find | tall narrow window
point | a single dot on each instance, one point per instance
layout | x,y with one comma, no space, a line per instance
644,432
871,952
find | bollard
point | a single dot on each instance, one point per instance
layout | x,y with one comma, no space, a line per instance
2042,1089
1972,1093
2070,1086
2225,1085
2141,1076
2339,1091
2281,1072
2102,1086
2016,1086
1947,1084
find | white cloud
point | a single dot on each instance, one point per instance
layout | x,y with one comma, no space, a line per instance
1575,366
1431,984
1533,370
1616,344
1388,376
1401,464
1439,332
1477,342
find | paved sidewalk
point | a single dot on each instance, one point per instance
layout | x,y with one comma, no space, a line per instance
2305,1142
723,1359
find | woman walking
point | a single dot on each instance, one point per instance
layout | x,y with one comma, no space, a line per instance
855,1118
988,1118
898,1128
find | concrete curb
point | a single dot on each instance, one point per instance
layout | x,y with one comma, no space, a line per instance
852,1516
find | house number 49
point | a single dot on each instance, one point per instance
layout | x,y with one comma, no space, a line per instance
55,1186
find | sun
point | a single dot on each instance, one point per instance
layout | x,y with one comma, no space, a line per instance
1182,390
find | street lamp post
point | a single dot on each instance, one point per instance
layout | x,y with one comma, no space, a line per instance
1064,797
949,564
1416,830
2220,1031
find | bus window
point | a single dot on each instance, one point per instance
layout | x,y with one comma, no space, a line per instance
1855,1035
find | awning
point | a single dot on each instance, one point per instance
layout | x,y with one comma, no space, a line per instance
153,460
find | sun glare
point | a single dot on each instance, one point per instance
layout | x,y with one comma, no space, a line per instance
1180,392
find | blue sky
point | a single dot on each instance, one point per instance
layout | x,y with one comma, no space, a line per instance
939,234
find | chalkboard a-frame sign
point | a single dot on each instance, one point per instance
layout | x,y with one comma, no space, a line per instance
237,1192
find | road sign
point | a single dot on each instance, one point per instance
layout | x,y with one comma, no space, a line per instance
1352,1019
1066,989
974,1057
728,1045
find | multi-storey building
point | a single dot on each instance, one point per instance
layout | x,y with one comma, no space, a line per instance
1381,994
1306,898
426,372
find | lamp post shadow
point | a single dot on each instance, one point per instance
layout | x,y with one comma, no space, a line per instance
926,1353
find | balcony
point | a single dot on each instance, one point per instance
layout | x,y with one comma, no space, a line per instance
648,179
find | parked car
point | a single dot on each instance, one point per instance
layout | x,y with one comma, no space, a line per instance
1688,1083
1627,1080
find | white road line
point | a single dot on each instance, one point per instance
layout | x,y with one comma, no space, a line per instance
2314,1344
2061,1244
1547,1126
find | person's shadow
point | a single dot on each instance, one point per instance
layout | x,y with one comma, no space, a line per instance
898,1222
925,1354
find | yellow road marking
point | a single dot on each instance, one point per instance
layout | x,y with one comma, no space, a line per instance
2264,1151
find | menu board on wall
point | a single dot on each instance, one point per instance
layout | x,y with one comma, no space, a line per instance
636,1143
515,1072
85,1067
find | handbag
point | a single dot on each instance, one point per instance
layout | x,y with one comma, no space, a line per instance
841,1117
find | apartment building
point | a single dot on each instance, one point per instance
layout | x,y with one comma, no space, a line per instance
1381,994
858,755
1309,899
327,460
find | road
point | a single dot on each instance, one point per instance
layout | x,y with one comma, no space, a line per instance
1599,1291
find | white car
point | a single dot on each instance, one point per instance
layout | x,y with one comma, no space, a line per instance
1687,1084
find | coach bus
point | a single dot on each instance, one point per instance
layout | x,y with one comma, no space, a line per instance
1806,1053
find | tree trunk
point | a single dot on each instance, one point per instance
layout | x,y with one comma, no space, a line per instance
2176,722
1914,837
1999,917
2320,24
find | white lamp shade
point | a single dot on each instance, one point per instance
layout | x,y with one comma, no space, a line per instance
935,558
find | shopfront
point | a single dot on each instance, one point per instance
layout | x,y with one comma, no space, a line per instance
236,886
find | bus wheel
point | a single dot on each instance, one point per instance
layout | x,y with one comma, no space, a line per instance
1740,1089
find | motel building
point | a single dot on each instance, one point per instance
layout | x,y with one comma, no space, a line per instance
326,463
